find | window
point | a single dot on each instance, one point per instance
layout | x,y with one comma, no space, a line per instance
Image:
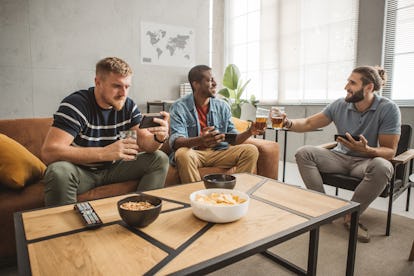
294,51
399,51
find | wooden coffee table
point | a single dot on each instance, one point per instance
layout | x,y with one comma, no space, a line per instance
53,241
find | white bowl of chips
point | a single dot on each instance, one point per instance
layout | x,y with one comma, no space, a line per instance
219,205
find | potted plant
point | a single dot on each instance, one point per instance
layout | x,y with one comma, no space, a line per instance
233,89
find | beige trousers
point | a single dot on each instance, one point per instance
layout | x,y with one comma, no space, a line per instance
188,160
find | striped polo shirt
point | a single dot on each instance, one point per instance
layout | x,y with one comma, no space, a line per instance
91,126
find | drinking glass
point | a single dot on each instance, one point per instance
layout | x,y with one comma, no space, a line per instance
261,117
124,134
276,117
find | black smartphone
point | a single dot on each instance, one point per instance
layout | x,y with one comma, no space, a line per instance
230,137
148,120
356,138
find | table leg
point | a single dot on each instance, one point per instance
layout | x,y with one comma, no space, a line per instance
277,140
411,257
284,157
313,251
353,234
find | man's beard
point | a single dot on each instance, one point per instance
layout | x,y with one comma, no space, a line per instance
356,97
117,104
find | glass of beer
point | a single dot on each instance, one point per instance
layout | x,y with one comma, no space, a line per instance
261,117
124,134
276,117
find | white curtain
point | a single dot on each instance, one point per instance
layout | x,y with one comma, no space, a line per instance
293,50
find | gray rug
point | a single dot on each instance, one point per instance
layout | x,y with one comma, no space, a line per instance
382,256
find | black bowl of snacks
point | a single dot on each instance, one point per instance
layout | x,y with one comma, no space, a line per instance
139,210
219,181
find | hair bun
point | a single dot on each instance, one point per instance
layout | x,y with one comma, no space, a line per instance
382,73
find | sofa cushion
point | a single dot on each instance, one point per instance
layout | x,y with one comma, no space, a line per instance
18,166
240,125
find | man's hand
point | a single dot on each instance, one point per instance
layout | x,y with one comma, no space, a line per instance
161,132
354,145
286,122
211,137
256,131
125,149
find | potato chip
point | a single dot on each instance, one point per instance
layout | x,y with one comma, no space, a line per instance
219,199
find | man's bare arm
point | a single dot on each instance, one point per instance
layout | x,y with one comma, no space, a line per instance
387,148
57,147
307,124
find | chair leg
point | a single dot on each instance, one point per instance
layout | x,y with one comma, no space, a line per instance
391,199
411,257
336,191
407,205
387,231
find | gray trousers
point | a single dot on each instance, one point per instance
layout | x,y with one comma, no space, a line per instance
374,172
65,180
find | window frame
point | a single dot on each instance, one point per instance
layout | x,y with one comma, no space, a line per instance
390,29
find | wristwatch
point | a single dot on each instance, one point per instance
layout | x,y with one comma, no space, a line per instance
161,142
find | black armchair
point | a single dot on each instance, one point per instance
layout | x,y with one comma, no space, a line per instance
399,182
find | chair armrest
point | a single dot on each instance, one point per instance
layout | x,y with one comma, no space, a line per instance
268,162
329,145
404,157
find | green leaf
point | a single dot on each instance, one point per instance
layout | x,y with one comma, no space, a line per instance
244,85
253,100
234,88
236,111
231,76
224,92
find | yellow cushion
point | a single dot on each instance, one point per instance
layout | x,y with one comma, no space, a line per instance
240,125
18,166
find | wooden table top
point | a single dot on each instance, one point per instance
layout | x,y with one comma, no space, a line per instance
56,240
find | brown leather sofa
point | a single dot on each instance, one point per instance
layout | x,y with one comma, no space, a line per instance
31,134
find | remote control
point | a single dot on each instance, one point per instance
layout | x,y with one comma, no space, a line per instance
89,216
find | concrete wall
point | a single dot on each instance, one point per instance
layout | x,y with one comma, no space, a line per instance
49,48
370,32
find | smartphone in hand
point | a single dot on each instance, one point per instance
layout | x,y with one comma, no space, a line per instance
356,138
148,120
230,137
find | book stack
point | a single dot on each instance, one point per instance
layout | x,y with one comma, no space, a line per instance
185,89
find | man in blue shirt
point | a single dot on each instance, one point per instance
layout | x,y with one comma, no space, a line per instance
375,120
198,123
83,149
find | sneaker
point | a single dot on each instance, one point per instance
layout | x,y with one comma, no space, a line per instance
363,234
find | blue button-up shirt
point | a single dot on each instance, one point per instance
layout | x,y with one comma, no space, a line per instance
184,120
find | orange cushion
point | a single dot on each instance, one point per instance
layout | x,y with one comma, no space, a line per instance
240,125
18,166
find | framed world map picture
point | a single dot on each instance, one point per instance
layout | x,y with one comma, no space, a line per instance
167,45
